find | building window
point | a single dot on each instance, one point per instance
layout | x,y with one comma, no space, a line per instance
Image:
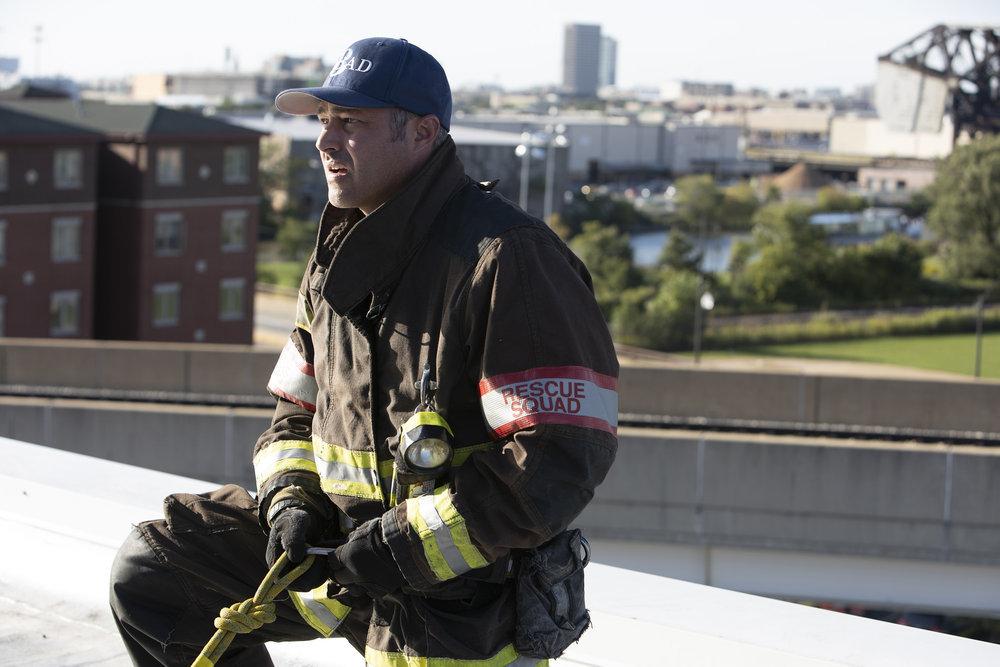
166,304
168,234
236,164
234,231
3,242
69,168
231,298
169,166
64,313
4,170
66,239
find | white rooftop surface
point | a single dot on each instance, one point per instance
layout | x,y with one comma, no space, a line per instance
63,515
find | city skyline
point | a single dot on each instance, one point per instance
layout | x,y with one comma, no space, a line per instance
778,45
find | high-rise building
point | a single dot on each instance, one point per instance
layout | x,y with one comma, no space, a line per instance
608,61
581,59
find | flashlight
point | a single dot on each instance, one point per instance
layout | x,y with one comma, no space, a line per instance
425,447
425,443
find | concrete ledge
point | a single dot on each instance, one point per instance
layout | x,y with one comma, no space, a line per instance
64,508
891,500
645,389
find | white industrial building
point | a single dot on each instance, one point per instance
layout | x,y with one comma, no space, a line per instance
869,135
600,143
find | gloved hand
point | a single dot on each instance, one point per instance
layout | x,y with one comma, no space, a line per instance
291,530
366,562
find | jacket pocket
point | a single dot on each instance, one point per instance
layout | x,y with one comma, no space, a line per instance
227,508
551,610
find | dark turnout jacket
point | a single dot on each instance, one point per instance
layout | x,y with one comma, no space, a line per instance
450,274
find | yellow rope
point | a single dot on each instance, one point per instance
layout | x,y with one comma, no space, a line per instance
249,615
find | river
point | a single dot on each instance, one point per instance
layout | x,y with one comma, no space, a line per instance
716,250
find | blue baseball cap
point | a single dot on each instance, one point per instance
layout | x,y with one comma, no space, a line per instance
378,72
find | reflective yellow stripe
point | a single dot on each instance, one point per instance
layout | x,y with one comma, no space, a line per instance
456,524
303,313
339,454
347,472
202,661
283,455
447,547
432,552
323,614
506,656
426,418
463,453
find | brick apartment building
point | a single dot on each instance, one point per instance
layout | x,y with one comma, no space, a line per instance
48,203
176,221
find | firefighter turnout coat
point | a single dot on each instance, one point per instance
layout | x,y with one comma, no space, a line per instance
450,274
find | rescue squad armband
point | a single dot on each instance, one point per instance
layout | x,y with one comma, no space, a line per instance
293,378
572,395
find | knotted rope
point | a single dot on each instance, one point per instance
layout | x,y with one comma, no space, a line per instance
249,615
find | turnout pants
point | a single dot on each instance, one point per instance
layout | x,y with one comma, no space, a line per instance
173,575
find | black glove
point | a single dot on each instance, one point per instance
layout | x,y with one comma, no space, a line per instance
291,530
365,562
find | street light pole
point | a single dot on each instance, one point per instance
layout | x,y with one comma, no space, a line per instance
980,303
524,152
557,140
706,302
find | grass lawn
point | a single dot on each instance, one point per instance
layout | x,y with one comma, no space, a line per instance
952,353
281,273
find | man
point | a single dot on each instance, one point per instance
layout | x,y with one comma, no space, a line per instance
416,267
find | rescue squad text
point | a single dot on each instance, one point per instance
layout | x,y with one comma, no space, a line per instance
526,398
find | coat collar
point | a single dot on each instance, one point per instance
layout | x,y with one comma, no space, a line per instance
365,254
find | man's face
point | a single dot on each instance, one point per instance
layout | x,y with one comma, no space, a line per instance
362,163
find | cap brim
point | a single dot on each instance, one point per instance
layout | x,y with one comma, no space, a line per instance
304,101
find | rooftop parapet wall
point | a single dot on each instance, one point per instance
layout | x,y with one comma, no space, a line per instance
937,503
644,390
639,619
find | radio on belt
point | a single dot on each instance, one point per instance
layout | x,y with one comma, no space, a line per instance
425,446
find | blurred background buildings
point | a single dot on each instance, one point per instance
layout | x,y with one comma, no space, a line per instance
832,251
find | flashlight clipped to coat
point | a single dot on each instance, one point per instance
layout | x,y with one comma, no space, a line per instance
425,447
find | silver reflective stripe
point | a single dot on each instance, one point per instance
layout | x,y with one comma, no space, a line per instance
322,612
344,472
442,535
270,458
268,461
524,662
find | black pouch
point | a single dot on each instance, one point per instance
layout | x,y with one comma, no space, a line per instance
551,612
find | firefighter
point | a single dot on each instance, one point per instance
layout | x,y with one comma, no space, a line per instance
422,282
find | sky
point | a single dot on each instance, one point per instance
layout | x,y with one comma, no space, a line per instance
773,44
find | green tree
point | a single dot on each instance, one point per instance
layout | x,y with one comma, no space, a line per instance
660,317
919,204
699,203
679,253
792,263
277,171
832,199
965,215
888,271
608,257
296,238
739,203
609,211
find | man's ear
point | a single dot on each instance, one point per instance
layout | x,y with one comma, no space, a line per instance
425,132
